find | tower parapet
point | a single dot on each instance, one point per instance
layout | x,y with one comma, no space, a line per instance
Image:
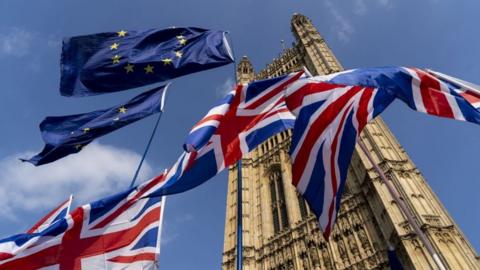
288,61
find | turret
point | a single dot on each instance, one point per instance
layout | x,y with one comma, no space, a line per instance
245,72
318,58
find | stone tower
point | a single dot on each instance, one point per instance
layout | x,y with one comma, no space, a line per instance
245,72
280,232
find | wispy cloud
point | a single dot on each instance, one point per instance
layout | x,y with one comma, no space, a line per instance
385,3
360,7
19,42
187,217
96,171
15,42
342,26
170,232
54,42
227,86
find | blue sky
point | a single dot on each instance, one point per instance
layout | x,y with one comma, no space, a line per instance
442,35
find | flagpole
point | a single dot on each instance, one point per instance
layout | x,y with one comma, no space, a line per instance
151,137
160,226
403,207
239,175
70,199
239,217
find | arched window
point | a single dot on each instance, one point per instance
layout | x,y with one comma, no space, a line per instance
277,196
303,206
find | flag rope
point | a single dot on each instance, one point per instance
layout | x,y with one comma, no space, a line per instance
151,138
403,207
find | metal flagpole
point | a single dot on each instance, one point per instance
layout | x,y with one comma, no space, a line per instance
151,137
403,208
239,176
70,200
239,217
160,226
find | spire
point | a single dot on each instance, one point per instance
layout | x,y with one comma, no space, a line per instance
318,57
300,25
245,72
299,19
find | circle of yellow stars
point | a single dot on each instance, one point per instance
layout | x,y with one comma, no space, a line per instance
149,69
121,110
130,68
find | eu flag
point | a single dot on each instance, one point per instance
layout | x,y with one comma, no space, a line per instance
65,135
109,62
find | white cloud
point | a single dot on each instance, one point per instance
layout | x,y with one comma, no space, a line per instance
360,7
170,228
96,171
187,217
54,42
18,42
343,27
167,236
385,3
225,87
15,42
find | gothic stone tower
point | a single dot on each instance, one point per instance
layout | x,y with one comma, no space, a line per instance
280,232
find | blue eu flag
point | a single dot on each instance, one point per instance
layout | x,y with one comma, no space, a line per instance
109,62
65,135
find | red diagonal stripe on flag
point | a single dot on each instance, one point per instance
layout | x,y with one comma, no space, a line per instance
333,172
130,202
134,258
271,94
319,125
433,99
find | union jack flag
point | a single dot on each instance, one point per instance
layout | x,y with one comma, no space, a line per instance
55,215
425,91
246,117
118,232
332,110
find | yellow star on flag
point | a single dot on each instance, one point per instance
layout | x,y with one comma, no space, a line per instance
129,68
167,61
180,37
148,69
122,33
122,110
78,146
114,46
85,130
178,54
116,59
182,41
